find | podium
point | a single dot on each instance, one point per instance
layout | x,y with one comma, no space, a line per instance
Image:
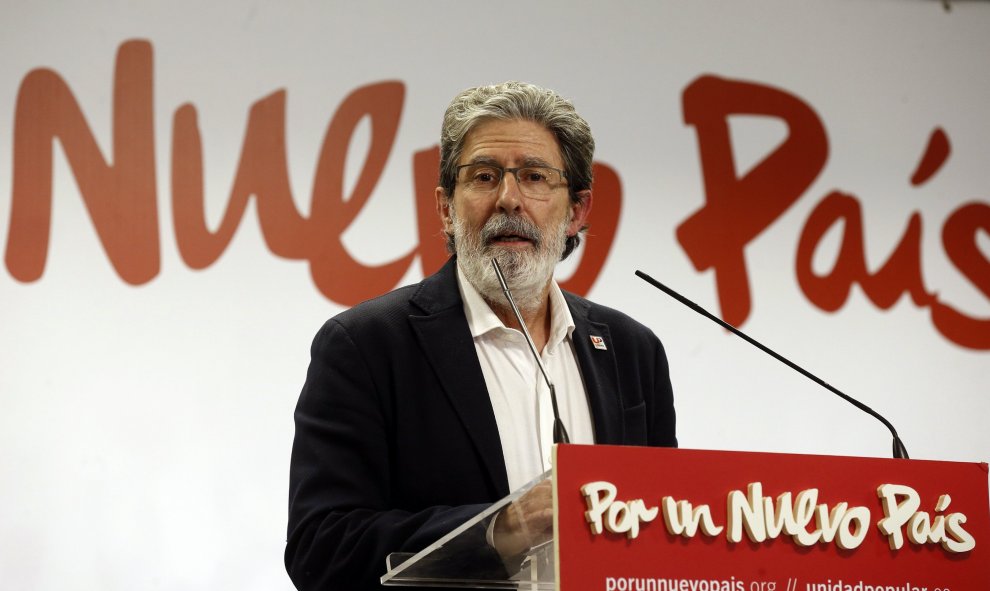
636,519
464,559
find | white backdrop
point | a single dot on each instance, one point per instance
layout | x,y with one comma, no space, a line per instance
145,429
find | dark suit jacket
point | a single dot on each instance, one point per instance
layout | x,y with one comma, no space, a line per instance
396,442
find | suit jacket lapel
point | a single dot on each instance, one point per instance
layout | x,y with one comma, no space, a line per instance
600,373
446,341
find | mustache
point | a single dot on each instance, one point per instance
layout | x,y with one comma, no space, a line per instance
503,224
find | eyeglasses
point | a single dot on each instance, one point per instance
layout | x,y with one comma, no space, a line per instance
536,182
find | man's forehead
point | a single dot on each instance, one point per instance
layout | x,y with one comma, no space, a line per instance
522,140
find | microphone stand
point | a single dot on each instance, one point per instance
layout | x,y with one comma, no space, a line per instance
900,451
559,432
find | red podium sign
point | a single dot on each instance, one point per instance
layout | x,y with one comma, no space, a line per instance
648,519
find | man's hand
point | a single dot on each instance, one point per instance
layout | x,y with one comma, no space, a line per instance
526,522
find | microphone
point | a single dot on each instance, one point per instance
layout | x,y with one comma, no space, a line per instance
900,451
559,432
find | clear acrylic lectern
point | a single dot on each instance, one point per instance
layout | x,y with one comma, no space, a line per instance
464,558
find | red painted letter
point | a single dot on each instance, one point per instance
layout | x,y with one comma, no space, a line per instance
901,273
335,272
738,209
262,172
120,197
959,239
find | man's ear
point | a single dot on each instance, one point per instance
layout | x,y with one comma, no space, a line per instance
443,210
579,212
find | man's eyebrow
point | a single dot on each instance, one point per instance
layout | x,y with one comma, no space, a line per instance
484,160
526,161
536,161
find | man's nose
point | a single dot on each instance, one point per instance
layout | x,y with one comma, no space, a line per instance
509,196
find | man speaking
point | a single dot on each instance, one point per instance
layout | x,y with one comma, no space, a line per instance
425,405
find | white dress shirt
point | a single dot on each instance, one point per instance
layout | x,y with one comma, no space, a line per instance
519,394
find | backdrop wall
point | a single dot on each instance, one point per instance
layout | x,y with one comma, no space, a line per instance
188,191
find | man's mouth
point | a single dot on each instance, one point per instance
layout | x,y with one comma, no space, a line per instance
510,238
509,231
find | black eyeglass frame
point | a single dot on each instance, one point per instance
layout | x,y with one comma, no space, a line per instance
514,170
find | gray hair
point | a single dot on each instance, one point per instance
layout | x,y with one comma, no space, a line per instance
519,100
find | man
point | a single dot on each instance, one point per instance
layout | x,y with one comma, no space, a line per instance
424,406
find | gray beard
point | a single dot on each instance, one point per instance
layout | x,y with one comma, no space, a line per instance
526,272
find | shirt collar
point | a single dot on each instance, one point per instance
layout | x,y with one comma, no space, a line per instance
561,321
481,319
